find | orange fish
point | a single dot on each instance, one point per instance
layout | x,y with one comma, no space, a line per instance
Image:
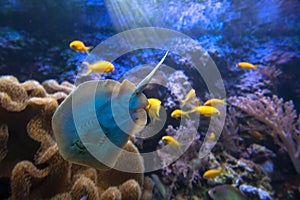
79,46
207,111
256,134
213,173
178,113
246,65
212,136
153,109
171,141
189,97
214,102
100,67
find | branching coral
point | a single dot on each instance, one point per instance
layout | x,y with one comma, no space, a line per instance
184,169
179,84
278,115
230,138
265,78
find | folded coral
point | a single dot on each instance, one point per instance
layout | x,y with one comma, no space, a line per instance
30,158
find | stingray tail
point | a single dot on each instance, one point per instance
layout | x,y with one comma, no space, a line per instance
143,84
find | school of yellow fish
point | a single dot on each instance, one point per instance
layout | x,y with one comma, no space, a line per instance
208,109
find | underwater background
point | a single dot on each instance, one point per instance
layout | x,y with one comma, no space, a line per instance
258,152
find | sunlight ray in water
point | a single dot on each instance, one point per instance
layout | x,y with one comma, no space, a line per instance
131,14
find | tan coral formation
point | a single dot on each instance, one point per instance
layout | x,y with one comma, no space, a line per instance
52,87
60,180
21,104
3,140
12,96
148,187
30,157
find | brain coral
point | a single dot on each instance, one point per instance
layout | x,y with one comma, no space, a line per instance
30,158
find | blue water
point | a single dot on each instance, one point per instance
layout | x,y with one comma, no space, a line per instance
34,45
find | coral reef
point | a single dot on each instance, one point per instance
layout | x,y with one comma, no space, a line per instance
22,104
255,193
185,169
278,118
265,78
265,34
39,171
230,138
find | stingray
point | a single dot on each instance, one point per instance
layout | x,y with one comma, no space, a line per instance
95,121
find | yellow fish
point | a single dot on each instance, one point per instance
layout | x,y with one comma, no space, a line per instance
153,109
207,111
79,46
214,102
171,141
101,67
213,173
212,136
189,97
246,65
178,113
257,134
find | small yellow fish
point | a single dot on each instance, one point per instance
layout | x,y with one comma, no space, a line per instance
256,134
101,67
178,113
189,97
79,46
171,141
153,109
212,136
214,102
207,111
213,173
246,65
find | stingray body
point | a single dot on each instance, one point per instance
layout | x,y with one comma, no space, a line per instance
92,125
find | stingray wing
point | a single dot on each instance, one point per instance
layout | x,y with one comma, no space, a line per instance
94,122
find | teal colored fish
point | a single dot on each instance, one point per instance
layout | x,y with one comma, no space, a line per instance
93,124
225,192
160,186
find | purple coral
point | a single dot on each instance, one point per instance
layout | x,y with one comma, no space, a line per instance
184,169
281,120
